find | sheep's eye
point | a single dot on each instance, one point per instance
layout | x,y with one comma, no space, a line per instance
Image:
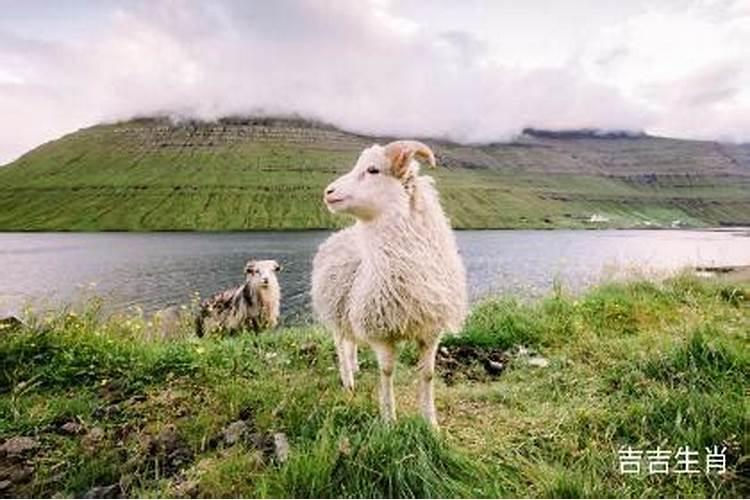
251,271
277,268
372,169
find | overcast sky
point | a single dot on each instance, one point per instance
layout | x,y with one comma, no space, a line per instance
467,70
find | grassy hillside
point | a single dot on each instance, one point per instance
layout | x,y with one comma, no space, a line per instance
269,173
91,406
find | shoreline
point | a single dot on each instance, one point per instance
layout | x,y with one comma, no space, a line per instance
730,274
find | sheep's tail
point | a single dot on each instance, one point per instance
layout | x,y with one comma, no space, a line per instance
199,323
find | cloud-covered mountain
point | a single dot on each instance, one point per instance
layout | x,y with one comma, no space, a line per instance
400,68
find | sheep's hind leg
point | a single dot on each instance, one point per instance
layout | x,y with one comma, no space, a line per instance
386,361
426,396
343,357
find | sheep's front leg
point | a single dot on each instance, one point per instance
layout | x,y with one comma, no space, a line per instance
353,359
343,357
386,361
426,396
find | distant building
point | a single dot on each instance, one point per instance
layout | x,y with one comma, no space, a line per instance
598,218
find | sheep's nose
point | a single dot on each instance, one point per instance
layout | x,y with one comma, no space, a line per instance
330,190
265,281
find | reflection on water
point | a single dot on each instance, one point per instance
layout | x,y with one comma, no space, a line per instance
153,270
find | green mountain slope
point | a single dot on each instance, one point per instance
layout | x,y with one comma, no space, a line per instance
239,174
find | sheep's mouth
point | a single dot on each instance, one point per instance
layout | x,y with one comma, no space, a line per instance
333,201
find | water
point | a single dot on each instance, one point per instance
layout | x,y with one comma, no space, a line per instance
154,270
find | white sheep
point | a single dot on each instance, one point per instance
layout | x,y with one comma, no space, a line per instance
395,274
253,305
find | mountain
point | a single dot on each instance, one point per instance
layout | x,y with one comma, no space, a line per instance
269,173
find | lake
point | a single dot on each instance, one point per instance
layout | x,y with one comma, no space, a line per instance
154,270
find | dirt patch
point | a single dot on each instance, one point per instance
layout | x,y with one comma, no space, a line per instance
484,364
166,453
479,364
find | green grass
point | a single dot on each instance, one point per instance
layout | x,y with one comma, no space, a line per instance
638,363
144,175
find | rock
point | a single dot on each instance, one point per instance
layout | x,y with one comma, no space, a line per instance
272,446
71,428
260,441
530,357
135,399
93,438
309,348
111,491
17,446
10,323
247,414
345,446
494,367
521,351
538,361
21,474
234,432
96,434
186,489
5,484
107,411
475,363
280,447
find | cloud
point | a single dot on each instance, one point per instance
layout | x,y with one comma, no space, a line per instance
688,68
361,66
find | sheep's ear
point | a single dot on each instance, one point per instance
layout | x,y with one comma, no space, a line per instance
277,267
250,266
400,153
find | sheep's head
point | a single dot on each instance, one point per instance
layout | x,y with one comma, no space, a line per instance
380,180
262,273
